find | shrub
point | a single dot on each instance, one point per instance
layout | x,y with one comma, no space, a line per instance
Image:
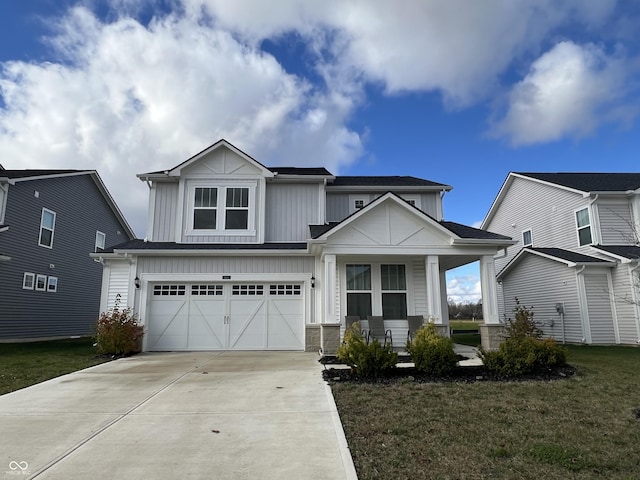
524,351
372,360
432,353
118,332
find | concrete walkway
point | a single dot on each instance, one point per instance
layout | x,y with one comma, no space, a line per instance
230,415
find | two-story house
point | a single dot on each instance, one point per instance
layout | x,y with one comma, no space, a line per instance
578,253
243,256
50,222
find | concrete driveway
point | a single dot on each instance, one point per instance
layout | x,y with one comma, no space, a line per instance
229,415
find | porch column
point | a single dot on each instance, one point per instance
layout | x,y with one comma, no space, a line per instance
329,290
488,286
434,300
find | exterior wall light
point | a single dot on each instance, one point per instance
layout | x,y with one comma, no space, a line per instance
136,282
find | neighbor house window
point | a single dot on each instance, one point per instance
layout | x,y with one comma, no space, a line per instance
359,290
527,239
28,281
41,282
52,284
101,239
394,291
583,223
47,227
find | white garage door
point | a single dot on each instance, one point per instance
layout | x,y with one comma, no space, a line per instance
226,316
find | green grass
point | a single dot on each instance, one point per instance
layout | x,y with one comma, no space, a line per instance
585,427
24,364
464,324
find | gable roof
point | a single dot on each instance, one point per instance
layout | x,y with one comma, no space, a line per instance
582,183
16,176
569,258
459,232
175,171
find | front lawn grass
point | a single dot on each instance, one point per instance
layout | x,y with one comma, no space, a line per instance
584,427
24,364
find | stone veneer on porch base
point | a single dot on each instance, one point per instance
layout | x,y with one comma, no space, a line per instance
491,335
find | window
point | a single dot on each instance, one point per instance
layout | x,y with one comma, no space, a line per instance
169,290
222,209
359,290
237,211
205,210
251,290
358,204
394,291
101,239
212,289
527,239
47,227
52,284
285,290
412,200
28,281
583,223
41,282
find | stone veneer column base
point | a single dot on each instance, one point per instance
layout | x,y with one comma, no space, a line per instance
491,335
312,338
443,330
330,338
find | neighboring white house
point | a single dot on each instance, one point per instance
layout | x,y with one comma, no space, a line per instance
578,253
244,256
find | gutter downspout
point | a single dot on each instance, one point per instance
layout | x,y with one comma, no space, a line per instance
578,272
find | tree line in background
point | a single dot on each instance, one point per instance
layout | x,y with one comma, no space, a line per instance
465,310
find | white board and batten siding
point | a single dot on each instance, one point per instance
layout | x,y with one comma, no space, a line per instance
625,305
540,283
290,209
165,211
548,211
226,265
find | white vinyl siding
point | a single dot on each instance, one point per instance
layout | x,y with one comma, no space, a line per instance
290,209
623,302
599,308
164,211
540,283
548,211
616,223
118,284
253,264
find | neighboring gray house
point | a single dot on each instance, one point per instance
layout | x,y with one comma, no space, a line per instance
243,256
577,261
50,221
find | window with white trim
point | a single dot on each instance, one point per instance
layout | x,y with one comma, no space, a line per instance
47,228
412,200
222,209
393,281
41,282
52,284
357,202
28,281
583,224
527,238
359,290
101,240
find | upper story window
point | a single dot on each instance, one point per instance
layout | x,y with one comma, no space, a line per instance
583,223
47,228
527,238
101,239
224,209
358,204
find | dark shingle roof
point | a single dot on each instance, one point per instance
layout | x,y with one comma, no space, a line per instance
567,255
386,181
317,230
464,231
590,182
626,251
301,171
138,244
35,173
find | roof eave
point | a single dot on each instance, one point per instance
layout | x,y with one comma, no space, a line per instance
483,241
204,252
386,188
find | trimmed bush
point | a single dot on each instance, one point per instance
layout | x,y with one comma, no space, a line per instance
432,353
372,360
118,332
524,351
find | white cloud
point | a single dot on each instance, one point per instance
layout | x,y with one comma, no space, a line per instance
130,99
569,91
464,288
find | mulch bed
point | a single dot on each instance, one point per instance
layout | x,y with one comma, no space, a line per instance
464,374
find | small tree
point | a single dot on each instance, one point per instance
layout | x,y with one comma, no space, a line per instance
432,353
368,360
118,332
